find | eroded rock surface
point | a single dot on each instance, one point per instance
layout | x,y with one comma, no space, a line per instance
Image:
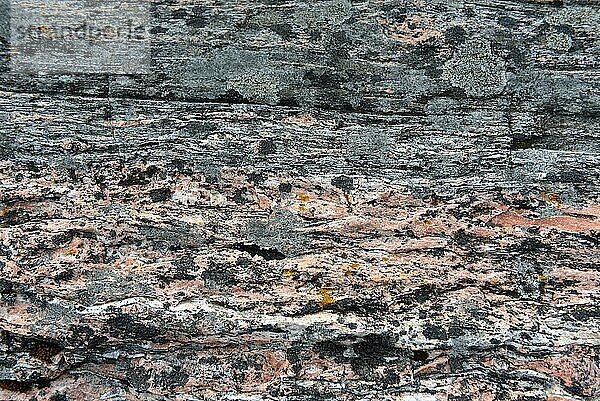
307,200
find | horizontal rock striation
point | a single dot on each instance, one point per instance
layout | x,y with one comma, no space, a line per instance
306,200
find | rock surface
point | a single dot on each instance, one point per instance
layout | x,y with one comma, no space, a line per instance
303,200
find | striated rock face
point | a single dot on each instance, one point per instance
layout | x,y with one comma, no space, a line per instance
300,200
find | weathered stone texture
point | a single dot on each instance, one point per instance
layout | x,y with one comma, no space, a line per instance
309,200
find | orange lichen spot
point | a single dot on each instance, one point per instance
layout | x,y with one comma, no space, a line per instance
542,278
326,297
288,273
3,212
426,282
349,268
302,197
385,259
551,197
71,252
